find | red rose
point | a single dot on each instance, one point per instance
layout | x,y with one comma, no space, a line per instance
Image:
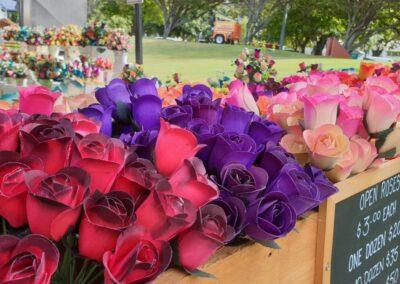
13,189
106,216
137,258
83,125
33,259
8,132
50,140
165,215
136,178
54,202
37,100
102,157
210,232
190,182
173,146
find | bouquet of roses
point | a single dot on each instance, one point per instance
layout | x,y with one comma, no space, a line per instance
84,68
11,69
70,35
48,68
104,64
10,33
257,70
338,122
118,40
95,34
131,73
34,37
49,36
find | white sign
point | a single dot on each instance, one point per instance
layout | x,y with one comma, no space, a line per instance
134,1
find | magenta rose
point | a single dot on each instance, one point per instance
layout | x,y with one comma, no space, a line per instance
349,119
105,217
37,100
210,232
54,202
138,258
33,259
13,189
164,214
50,140
102,157
8,132
320,109
83,125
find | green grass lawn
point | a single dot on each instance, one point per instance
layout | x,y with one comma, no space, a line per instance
199,61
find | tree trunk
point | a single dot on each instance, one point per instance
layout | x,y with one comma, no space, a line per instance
320,45
377,52
167,30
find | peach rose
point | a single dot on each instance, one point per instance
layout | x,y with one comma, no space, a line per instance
295,144
366,153
327,145
342,170
320,109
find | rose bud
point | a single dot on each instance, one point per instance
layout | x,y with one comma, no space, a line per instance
37,100
136,178
235,119
48,139
8,132
143,141
270,218
168,159
102,158
382,112
13,189
265,131
320,109
54,202
297,185
211,231
327,145
241,99
195,96
164,214
245,184
33,259
235,211
146,111
138,258
273,159
83,125
303,67
143,87
366,154
190,182
177,115
349,119
105,217
231,147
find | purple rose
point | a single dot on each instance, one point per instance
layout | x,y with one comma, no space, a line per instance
146,111
235,119
296,184
325,186
208,112
270,218
195,96
273,159
102,114
235,211
143,87
178,115
265,131
246,184
116,91
231,147
144,141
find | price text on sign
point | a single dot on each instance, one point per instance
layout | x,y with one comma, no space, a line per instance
366,239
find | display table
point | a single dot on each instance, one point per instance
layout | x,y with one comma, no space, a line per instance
306,253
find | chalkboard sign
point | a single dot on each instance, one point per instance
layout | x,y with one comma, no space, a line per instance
360,228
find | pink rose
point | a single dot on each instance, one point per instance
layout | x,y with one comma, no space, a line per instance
342,170
320,109
327,145
382,82
239,95
382,112
350,118
324,83
37,100
366,153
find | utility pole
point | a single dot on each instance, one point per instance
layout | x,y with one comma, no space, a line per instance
283,28
139,33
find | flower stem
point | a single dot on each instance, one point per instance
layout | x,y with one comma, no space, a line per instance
4,225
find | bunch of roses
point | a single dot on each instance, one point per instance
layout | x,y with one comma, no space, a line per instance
34,37
262,188
131,73
49,36
61,178
94,34
70,35
118,40
337,122
257,70
15,33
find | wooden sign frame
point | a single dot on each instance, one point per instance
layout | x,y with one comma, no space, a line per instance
326,218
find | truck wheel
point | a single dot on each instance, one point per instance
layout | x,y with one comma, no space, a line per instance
219,39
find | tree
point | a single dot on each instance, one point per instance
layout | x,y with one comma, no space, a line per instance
365,18
178,12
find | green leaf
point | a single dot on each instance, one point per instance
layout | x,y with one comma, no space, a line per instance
202,274
269,244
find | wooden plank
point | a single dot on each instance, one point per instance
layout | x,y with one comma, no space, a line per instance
347,188
253,263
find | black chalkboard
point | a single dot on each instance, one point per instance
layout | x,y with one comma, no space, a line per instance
366,238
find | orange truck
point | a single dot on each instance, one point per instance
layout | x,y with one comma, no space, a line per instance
226,32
